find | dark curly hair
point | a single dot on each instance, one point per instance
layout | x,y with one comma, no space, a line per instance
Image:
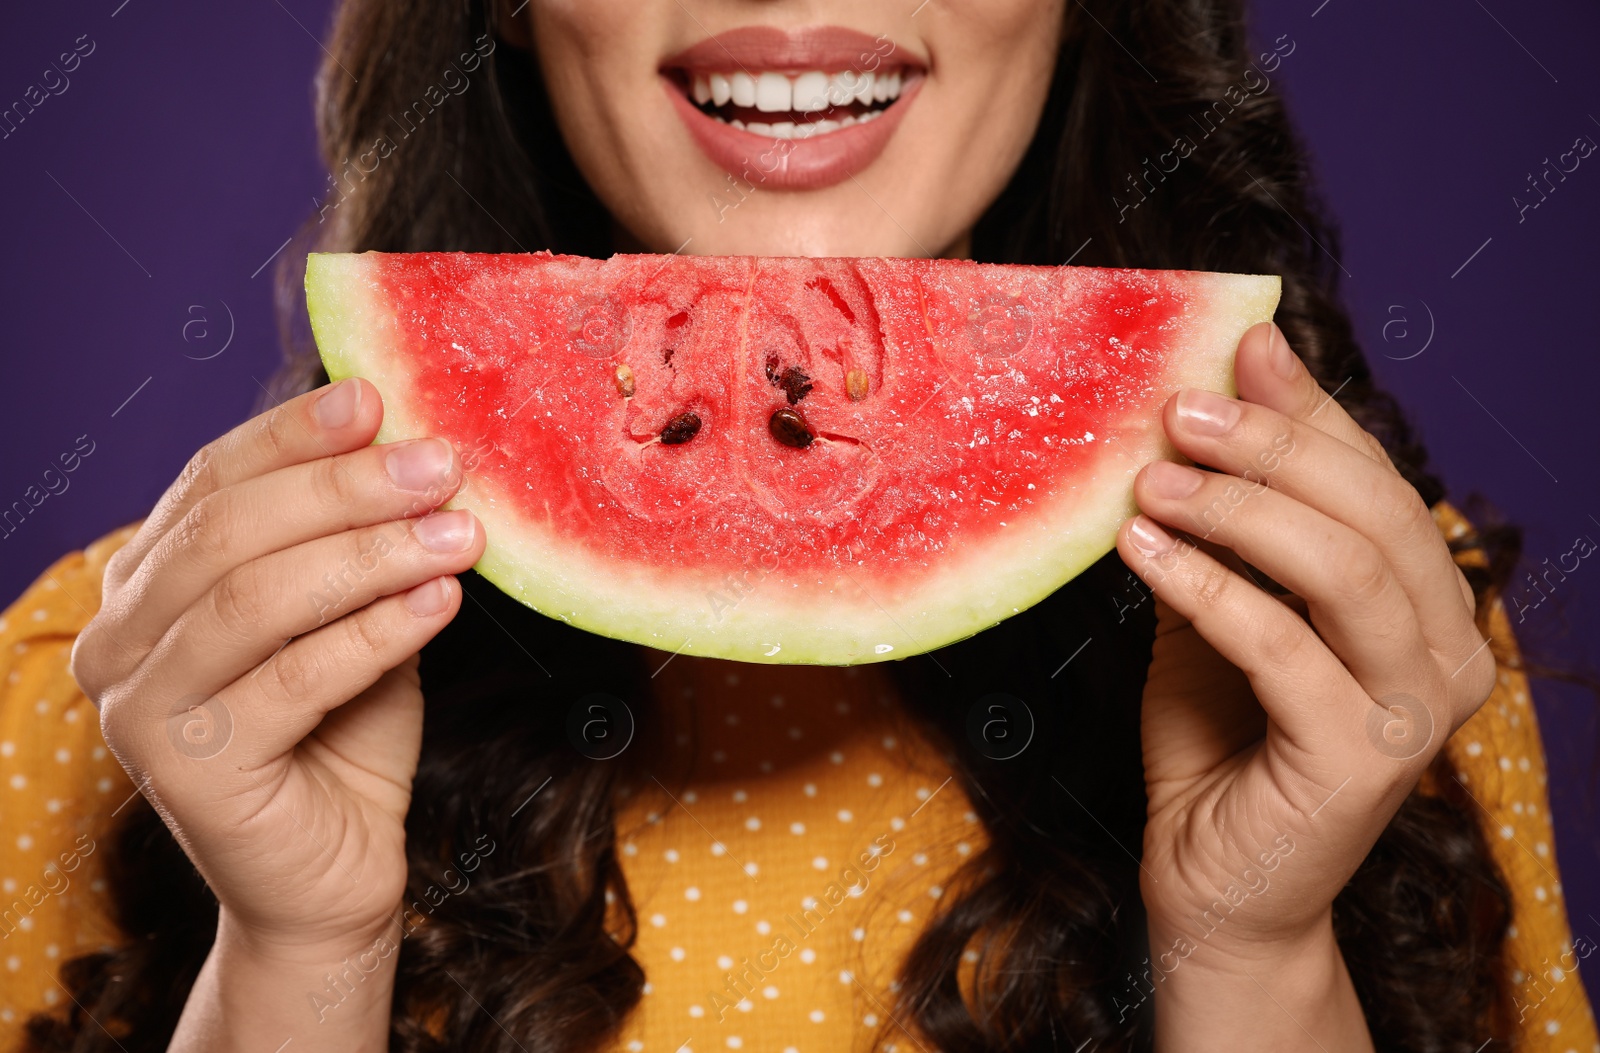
1052,905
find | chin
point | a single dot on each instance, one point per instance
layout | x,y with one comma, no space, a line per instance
703,210
795,225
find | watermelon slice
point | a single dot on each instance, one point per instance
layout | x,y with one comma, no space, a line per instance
823,461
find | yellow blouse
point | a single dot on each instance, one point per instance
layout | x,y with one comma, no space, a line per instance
756,927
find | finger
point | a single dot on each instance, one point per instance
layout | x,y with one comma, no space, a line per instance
1255,575
379,730
1293,673
259,717
277,706
1270,374
337,419
1198,709
273,512
1264,446
1355,601
245,618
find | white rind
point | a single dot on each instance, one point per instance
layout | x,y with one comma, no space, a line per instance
762,618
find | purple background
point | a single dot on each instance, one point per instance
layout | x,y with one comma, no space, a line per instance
151,193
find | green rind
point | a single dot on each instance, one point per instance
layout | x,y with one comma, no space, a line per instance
349,327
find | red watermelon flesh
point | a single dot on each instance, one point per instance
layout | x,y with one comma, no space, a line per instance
953,441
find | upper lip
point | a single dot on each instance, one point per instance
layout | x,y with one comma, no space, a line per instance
768,48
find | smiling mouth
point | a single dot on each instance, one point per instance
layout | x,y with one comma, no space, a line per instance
798,105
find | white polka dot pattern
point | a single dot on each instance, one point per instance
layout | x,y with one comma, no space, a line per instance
58,792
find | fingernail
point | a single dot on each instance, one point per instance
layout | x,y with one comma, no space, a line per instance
1149,538
337,406
1281,358
1206,412
445,531
1173,480
418,465
428,598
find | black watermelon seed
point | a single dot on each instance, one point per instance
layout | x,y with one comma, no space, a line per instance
680,429
789,428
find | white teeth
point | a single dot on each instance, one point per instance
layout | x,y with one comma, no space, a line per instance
808,92
742,89
865,87
792,129
840,88
811,92
774,94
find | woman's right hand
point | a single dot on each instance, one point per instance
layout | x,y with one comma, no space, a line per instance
254,663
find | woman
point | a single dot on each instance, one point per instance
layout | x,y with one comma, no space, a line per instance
399,847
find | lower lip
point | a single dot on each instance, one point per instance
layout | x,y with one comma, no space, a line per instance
792,164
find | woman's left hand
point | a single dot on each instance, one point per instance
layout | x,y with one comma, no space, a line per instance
1278,744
